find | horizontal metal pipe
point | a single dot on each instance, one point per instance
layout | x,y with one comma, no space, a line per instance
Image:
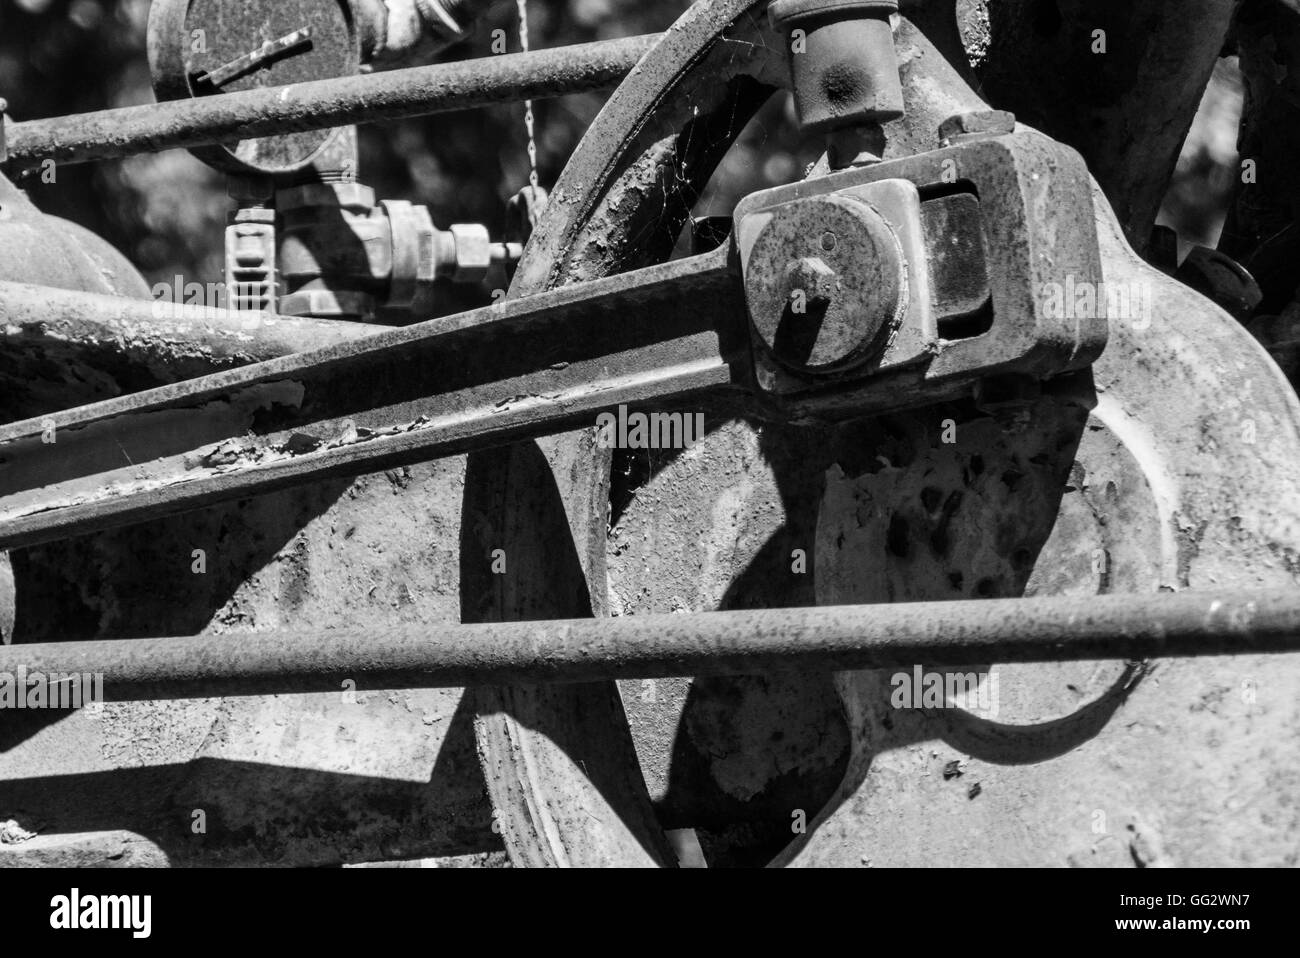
159,332
318,104
954,634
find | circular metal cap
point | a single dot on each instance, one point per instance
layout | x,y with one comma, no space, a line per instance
824,283
211,47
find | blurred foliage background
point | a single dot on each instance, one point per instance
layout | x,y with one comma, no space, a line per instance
167,211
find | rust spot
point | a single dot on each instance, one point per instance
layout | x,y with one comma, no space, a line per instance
844,83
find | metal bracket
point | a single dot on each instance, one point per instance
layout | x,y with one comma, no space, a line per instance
995,214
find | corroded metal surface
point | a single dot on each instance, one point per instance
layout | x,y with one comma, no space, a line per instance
236,53
297,779
173,340
843,69
1165,763
378,402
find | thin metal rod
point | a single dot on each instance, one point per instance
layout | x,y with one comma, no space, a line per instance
318,104
955,634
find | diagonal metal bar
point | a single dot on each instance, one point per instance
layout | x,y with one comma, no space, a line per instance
672,334
971,633
50,318
319,104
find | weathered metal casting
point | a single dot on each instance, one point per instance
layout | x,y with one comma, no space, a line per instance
975,309
842,69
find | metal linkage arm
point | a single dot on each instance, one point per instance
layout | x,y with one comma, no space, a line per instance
671,334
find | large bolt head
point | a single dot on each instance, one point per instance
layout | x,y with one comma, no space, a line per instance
824,282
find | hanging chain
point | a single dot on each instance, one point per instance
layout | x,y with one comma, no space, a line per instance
528,104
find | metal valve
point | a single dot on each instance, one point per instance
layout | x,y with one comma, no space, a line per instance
331,251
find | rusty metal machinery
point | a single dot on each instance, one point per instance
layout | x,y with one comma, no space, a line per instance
883,344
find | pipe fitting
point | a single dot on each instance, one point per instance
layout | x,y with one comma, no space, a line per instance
843,67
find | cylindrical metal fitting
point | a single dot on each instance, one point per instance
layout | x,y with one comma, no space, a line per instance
825,284
843,67
343,256
335,250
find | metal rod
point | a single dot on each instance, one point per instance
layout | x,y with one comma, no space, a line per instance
159,331
318,104
957,634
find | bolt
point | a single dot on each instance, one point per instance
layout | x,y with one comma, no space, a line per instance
811,276
823,283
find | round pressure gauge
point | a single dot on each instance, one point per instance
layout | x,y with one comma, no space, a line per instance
209,47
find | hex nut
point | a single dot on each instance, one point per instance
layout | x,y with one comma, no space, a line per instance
473,252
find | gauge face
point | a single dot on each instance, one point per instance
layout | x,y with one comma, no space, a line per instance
210,47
